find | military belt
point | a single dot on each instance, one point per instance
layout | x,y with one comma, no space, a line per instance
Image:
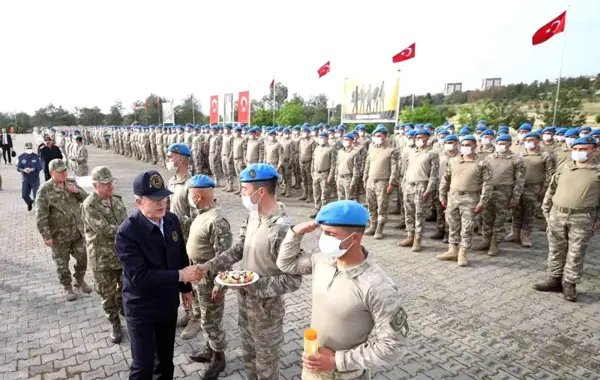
345,175
530,185
415,183
503,187
306,162
324,171
464,192
583,210
238,158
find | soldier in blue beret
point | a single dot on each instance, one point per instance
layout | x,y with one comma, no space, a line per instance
306,148
486,146
450,149
238,149
585,131
258,248
571,209
562,153
287,153
323,170
548,143
226,160
215,144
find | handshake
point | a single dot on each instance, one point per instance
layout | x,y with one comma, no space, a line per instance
193,273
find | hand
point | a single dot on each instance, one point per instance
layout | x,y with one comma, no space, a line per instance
305,227
191,274
444,204
49,243
389,189
478,208
216,295
323,361
425,196
187,299
72,188
27,170
330,180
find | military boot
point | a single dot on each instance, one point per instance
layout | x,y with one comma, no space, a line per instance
379,231
192,329
230,187
396,211
183,321
216,179
204,356
309,198
314,215
401,225
82,286
484,245
416,247
569,291
550,284
462,257
493,249
69,294
514,235
408,242
526,239
239,190
116,335
303,196
286,191
216,366
438,235
432,217
226,188
450,255
371,230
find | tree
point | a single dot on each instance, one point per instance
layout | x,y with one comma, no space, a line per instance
315,110
568,112
90,116
495,113
115,117
259,115
597,119
426,113
281,93
189,111
291,114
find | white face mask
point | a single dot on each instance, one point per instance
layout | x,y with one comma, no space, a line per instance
570,140
273,138
547,137
529,145
579,155
419,143
466,150
171,166
313,133
191,201
305,134
28,151
377,140
361,133
583,134
485,141
521,136
396,131
330,246
346,143
500,148
322,141
338,135
448,147
247,202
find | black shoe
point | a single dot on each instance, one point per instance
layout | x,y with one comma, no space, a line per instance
550,284
312,216
29,206
431,218
204,356
116,334
216,366
569,291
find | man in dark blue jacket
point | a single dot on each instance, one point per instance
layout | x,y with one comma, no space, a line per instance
150,247
29,165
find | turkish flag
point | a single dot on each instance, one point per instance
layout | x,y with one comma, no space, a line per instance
323,70
145,104
214,109
244,107
405,54
192,97
272,84
157,101
549,30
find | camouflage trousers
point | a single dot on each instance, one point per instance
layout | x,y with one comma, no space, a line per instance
524,214
569,235
415,208
214,163
61,253
228,169
321,189
496,213
80,169
285,173
261,330
239,166
460,215
210,314
377,200
440,221
197,163
109,286
296,171
153,154
399,206
344,188
306,178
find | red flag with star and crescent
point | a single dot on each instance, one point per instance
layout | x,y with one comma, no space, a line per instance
244,107
323,70
405,54
272,85
214,109
549,30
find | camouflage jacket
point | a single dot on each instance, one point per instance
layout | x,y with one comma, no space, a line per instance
57,212
101,219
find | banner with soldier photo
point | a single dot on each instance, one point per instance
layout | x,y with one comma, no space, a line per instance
371,101
167,113
228,108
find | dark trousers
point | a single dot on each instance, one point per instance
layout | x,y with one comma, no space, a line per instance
6,153
29,186
152,345
47,175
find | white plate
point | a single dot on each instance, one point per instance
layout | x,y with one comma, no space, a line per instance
218,280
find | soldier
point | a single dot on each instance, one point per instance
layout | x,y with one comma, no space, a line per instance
539,168
306,148
523,130
215,142
29,165
364,288
323,171
486,146
402,164
227,158
79,158
102,213
296,157
585,131
255,147
59,222
420,180
362,143
548,144
571,208
286,167
210,236
258,247
239,155
563,153
450,150
273,151
349,169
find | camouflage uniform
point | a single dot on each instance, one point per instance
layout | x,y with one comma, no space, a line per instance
440,223
101,219
322,166
306,148
78,158
227,160
58,218
261,305
214,156
239,156
348,172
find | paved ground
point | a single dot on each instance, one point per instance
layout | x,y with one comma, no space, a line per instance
481,322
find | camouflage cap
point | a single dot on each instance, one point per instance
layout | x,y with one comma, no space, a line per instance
57,165
102,174
28,145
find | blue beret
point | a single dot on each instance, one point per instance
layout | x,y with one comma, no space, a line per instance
465,131
237,129
549,129
504,138
78,131
561,130
481,128
296,128
584,141
349,136
451,138
595,131
150,184
482,122
323,134
180,148
361,128
258,172
582,129
422,132
525,127
305,129
449,125
411,133
341,128
539,130
253,130
503,129
314,128
397,126
443,131
428,125
343,214
572,132
380,129
189,125
272,132
214,127
331,130
306,124
468,138
287,130
533,134
488,132
228,125
196,128
409,124
200,181
79,137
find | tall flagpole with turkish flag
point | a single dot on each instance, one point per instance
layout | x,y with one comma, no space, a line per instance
409,53
272,87
543,34
322,71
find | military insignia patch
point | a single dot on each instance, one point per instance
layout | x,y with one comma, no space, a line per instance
156,181
175,149
174,236
252,173
400,321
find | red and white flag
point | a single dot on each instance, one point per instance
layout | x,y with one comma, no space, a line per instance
244,107
272,85
158,101
405,54
192,97
323,70
549,30
214,109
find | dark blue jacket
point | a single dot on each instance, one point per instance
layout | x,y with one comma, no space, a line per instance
151,264
30,161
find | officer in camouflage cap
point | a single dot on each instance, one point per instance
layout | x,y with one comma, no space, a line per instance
102,213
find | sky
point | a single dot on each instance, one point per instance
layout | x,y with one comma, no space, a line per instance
87,53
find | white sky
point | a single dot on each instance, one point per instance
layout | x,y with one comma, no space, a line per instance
86,53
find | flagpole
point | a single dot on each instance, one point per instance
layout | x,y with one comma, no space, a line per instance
562,59
273,101
193,110
398,100
412,104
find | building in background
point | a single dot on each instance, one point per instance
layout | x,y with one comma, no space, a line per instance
488,83
450,88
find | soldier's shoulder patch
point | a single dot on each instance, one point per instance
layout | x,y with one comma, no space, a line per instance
175,236
399,321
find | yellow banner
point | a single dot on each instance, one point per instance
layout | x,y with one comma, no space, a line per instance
371,101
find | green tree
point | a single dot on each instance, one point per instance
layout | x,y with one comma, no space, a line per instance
427,113
115,117
568,113
89,116
189,111
280,93
291,114
259,115
597,119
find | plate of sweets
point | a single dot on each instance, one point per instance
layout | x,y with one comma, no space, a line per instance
237,278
